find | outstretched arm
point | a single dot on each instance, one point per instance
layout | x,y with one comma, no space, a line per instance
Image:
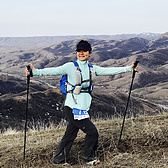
113,70
53,71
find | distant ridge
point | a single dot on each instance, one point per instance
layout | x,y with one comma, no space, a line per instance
49,40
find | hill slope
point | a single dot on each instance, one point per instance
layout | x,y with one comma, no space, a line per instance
45,104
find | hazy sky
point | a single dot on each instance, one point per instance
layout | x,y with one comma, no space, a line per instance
82,17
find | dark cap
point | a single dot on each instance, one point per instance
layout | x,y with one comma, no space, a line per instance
83,45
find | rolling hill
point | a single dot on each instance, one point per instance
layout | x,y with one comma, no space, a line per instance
110,92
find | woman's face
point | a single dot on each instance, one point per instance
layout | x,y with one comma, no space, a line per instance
83,55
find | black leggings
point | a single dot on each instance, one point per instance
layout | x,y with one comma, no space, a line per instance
91,139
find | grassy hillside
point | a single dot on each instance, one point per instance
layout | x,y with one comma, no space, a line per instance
144,144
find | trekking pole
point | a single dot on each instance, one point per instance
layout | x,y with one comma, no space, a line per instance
133,75
28,81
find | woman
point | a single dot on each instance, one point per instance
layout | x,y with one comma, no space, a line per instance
79,103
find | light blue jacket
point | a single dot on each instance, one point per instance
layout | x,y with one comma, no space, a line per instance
83,99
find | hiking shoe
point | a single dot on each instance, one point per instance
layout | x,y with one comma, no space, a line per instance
93,162
65,164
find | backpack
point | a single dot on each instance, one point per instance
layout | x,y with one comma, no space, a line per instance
64,81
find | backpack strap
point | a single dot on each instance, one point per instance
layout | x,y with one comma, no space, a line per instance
75,63
78,74
90,88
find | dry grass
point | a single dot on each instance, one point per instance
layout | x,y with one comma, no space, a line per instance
144,144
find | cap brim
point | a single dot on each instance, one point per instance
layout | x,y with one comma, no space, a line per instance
84,49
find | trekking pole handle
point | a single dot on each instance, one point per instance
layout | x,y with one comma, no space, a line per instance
30,71
135,65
